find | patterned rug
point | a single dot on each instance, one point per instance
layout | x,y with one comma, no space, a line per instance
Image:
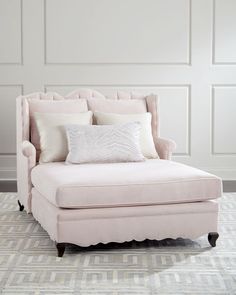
28,262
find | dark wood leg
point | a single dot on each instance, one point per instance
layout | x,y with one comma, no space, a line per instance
212,237
21,207
60,249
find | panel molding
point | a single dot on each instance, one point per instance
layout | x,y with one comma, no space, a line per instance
188,63
7,166
21,62
213,87
13,85
7,173
213,47
113,86
9,155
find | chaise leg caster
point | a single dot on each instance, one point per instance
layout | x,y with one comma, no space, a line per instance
60,249
21,207
212,237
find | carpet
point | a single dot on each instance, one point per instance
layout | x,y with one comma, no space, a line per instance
29,265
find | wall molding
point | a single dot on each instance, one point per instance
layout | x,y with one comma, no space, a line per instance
212,137
7,167
9,172
115,85
14,85
21,86
213,48
188,63
21,41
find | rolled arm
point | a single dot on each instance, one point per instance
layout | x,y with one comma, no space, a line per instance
165,148
29,151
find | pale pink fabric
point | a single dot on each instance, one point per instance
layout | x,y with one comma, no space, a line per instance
123,184
29,151
24,164
70,106
26,160
131,106
84,93
165,147
89,227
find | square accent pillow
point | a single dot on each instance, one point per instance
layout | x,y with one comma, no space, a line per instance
146,139
53,140
104,144
66,106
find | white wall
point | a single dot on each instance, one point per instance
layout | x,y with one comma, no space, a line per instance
183,50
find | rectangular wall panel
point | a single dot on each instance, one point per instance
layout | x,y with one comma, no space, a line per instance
7,167
111,31
8,94
10,32
224,120
224,27
174,102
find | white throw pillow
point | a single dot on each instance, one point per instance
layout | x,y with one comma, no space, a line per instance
53,140
66,106
146,139
104,144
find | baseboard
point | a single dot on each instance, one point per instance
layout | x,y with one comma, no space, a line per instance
10,186
229,186
227,174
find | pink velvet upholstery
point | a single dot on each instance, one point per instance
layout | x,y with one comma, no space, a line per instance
159,198
123,184
130,106
165,147
90,226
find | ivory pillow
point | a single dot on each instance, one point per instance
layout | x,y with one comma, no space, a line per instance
146,140
104,144
53,140
66,106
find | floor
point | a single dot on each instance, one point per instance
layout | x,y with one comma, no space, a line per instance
28,262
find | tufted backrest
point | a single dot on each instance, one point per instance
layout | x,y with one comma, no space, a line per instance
23,106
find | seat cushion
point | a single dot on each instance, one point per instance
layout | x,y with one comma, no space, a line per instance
123,184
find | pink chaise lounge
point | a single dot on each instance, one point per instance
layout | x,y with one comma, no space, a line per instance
101,203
